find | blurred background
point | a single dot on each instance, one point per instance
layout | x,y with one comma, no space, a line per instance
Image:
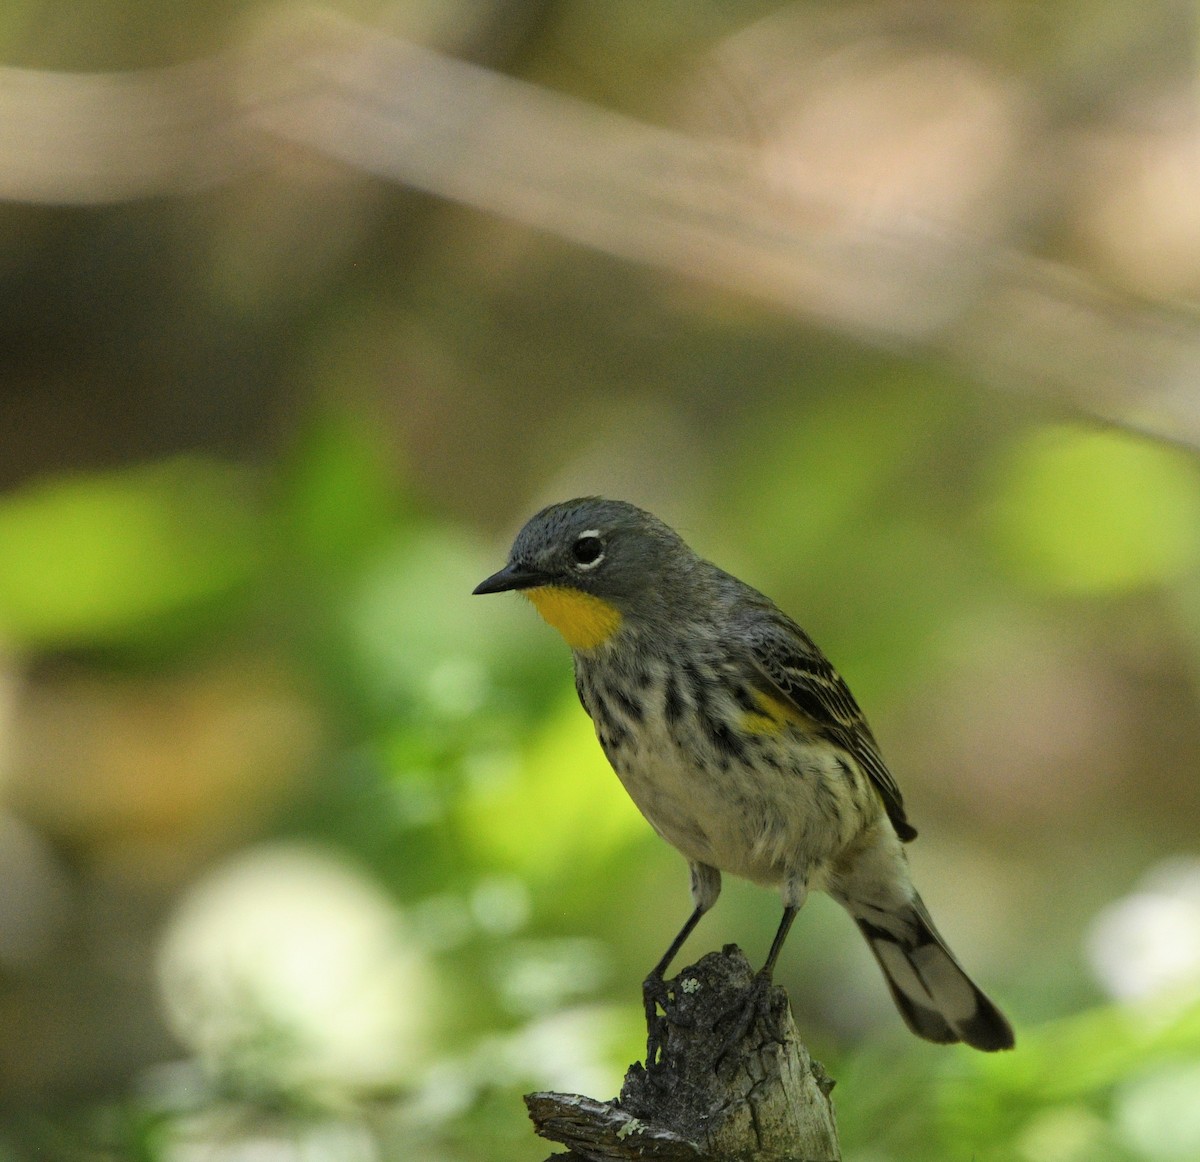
889,307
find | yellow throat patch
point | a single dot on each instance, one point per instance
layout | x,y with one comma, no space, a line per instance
584,621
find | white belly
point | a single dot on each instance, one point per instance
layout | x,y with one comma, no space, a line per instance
770,807
764,821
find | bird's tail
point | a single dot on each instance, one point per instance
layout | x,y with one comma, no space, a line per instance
936,998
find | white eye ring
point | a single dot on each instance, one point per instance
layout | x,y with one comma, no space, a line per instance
588,534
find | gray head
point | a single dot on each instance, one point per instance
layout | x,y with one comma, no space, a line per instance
606,548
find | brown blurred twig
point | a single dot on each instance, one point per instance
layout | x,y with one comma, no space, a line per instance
704,207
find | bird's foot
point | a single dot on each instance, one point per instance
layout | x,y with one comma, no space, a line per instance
755,1007
654,997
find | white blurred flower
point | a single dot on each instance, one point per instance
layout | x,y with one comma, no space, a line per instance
1066,1133
1148,943
575,1050
218,1138
542,976
1158,1115
287,962
501,905
570,1051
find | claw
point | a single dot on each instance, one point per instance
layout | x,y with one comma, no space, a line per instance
756,1007
654,997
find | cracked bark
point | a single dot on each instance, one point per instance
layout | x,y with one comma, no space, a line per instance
765,1098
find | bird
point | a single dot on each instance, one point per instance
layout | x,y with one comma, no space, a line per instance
740,744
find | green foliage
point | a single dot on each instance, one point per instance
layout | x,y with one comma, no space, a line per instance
578,823
1079,1088
1083,511
104,558
337,496
462,775
270,642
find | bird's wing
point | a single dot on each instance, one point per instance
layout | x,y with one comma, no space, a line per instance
791,668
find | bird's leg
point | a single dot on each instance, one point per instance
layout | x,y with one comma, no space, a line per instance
653,987
706,886
785,926
758,1002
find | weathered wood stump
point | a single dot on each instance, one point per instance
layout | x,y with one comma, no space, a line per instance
706,1099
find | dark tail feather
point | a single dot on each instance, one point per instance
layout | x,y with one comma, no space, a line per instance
936,998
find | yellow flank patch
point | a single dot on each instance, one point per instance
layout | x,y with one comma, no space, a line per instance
772,717
584,621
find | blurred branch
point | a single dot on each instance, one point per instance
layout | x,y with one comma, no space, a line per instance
764,1098
702,207
709,208
80,138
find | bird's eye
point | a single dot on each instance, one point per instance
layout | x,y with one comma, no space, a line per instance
587,550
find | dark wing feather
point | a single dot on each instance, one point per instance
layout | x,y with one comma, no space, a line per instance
792,669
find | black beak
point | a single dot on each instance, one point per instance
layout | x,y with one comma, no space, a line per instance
512,576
